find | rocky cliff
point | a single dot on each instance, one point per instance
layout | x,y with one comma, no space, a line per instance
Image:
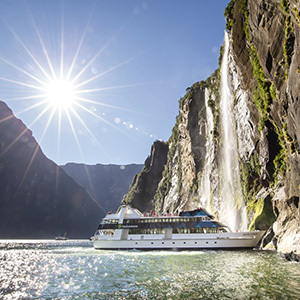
37,198
107,184
142,190
235,146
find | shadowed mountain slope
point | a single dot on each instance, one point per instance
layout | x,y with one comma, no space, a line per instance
37,198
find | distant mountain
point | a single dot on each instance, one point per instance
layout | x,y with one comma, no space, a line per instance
37,198
105,183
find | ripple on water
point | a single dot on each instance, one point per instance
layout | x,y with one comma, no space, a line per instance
77,271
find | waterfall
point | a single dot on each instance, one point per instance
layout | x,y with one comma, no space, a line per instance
205,181
232,202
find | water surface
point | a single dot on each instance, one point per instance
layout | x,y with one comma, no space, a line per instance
74,270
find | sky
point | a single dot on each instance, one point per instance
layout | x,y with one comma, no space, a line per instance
99,81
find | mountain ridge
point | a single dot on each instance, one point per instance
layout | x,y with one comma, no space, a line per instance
106,183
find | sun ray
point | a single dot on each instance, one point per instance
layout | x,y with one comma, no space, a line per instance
21,70
109,105
42,43
47,126
75,135
105,121
79,47
25,98
91,183
31,107
98,53
88,130
58,133
61,74
116,87
28,52
79,148
48,70
6,118
57,169
62,42
92,60
105,105
111,69
103,73
23,132
21,83
37,147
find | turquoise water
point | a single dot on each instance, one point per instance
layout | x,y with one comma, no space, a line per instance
74,270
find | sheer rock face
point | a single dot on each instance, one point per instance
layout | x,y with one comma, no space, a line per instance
264,77
143,188
267,26
37,198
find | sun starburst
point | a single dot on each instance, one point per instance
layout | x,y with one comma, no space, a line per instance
60,94
57,84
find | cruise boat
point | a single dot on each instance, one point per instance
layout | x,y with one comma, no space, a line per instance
130,229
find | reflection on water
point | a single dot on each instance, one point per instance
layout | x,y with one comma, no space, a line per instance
74,270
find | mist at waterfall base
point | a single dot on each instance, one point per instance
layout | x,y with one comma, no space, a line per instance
74,270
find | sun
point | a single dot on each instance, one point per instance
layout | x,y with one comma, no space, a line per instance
60,94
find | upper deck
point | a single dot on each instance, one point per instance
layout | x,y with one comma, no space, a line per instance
128,217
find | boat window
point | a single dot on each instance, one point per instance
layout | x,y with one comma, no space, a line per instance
106,232
145,231
110,221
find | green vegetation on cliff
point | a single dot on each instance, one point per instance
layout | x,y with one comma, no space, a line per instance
264,94
213,83
297,15
264,216
228,14
288,47
250,174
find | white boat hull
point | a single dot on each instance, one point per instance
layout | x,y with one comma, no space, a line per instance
233,240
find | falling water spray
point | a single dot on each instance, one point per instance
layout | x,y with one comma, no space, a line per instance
231,192
205,181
